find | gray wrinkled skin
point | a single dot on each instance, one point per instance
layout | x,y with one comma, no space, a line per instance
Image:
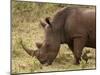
73,26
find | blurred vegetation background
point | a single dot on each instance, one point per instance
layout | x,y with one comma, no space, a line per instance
25,25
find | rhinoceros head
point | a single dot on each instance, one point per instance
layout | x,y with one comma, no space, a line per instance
48,50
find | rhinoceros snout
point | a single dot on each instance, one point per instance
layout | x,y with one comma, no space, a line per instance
44,61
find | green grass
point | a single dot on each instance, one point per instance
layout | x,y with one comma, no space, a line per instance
25,25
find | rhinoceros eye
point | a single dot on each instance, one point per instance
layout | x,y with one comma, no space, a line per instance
47,45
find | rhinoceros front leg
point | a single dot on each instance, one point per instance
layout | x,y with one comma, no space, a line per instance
79,43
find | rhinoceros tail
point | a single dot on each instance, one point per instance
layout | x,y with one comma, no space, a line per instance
29,51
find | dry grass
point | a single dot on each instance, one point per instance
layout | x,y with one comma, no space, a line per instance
25,25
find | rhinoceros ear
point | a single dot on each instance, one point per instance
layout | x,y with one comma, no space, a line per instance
43,23
46,22
38,44
47,19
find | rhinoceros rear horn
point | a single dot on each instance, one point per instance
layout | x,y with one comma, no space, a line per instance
46,22
29,51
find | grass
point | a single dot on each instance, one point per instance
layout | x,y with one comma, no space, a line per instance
25,24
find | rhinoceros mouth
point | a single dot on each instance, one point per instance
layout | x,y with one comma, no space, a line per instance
43,62
46,63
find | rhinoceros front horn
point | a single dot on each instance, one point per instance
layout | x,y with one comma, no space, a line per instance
29,51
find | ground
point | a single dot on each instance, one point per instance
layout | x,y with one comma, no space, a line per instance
26,26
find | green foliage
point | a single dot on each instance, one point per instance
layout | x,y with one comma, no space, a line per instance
25,25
